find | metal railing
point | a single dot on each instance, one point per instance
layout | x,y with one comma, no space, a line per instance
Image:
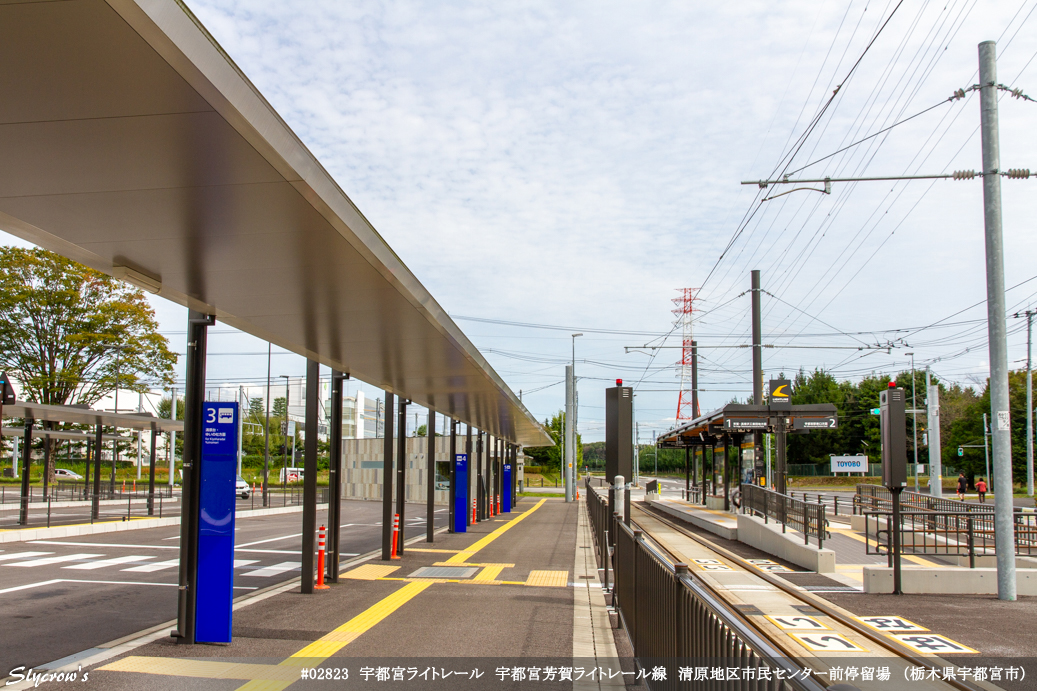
671,617
878,498
807,518
947,533
834,502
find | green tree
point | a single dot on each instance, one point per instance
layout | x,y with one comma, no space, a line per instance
257,409
280,407
421,431
551,456
70,335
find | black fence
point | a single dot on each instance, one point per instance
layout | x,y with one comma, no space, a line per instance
64,490
878,498
946,533
808,518
836,504
670,615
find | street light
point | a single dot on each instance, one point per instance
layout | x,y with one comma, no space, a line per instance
914,419
573,471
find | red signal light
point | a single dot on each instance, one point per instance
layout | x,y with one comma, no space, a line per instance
619,382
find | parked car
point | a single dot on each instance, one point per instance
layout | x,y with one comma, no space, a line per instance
442,482
65,474
243,489
291,475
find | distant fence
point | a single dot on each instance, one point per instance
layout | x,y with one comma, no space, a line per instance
807,518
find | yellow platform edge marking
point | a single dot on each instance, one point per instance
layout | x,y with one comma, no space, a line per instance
551,579
200,669
429,549
461,557
489,573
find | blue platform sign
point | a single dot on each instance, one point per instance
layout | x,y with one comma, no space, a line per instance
461,493
219,474
506,494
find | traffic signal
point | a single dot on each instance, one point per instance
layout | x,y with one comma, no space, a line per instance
961,451
6,390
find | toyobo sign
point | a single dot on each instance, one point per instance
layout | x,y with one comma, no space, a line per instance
849,464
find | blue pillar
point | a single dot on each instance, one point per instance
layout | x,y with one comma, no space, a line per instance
461,493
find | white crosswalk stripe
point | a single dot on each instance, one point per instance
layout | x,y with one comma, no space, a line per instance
22,555
238,563
102,563
47,561
275,569
157,566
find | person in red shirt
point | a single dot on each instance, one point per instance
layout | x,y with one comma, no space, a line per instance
981,488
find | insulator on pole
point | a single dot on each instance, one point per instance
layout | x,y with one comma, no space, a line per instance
1018,173
964,174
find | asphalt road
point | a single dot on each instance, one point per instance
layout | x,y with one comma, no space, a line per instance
60,597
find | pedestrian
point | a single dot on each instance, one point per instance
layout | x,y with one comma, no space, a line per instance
981,487
963,485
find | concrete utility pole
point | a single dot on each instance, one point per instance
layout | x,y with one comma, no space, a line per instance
172,438
570,437
1029,398
757,368
1004,530
932,412
914,420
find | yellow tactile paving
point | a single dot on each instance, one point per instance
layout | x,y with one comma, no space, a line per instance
489,573
203,669
370,572
551,579
461,557
429,549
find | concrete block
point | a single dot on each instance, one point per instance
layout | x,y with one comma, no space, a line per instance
700,520
715,503
952,580
767,537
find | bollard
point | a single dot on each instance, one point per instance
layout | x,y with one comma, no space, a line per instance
320,559
475,517
395,535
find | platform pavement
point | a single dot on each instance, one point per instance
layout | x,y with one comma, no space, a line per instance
511,603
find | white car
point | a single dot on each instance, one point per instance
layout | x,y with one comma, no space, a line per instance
64,474
243,489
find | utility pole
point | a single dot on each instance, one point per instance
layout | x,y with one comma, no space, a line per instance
1001,438
172,439
1029,398
932,411
914,421
570,442
757,367
986,452
266,431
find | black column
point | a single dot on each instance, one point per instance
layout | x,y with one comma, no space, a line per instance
471,495
335,476
727,472
86,473
23,511
95,504
387,450
453,476
780,469
687,471
151,471
194,399
401,473
430,504
309,479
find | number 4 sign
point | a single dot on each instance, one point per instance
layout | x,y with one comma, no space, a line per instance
827,642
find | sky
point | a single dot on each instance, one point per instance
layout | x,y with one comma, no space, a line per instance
552,168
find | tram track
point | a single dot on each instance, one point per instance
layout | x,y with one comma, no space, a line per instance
736,562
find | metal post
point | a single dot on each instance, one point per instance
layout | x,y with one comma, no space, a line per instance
1004,539
151,472
914,421
1029,404
309,478
140,439
779,453
241,422
172,440
480,503
986,453
687,471
468,452
570,441
387,451
95,507
452,499
401,474
194,394
894,528
695,378
23,512
757,327
266,432
932,410
430,498
335,475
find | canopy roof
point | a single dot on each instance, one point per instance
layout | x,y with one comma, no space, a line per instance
85,416
738,418
130,142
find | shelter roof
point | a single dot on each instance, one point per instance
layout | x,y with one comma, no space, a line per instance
737,418
85,416
130,142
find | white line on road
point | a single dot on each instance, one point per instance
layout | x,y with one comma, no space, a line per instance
157,566
275,569
69,580
114,561
238,563
47,561
273,539
102,544
22,555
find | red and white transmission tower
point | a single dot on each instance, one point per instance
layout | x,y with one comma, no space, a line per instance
686,408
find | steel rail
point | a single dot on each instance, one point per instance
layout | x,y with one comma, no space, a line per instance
806,597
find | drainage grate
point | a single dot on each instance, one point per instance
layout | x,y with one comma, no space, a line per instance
445,572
